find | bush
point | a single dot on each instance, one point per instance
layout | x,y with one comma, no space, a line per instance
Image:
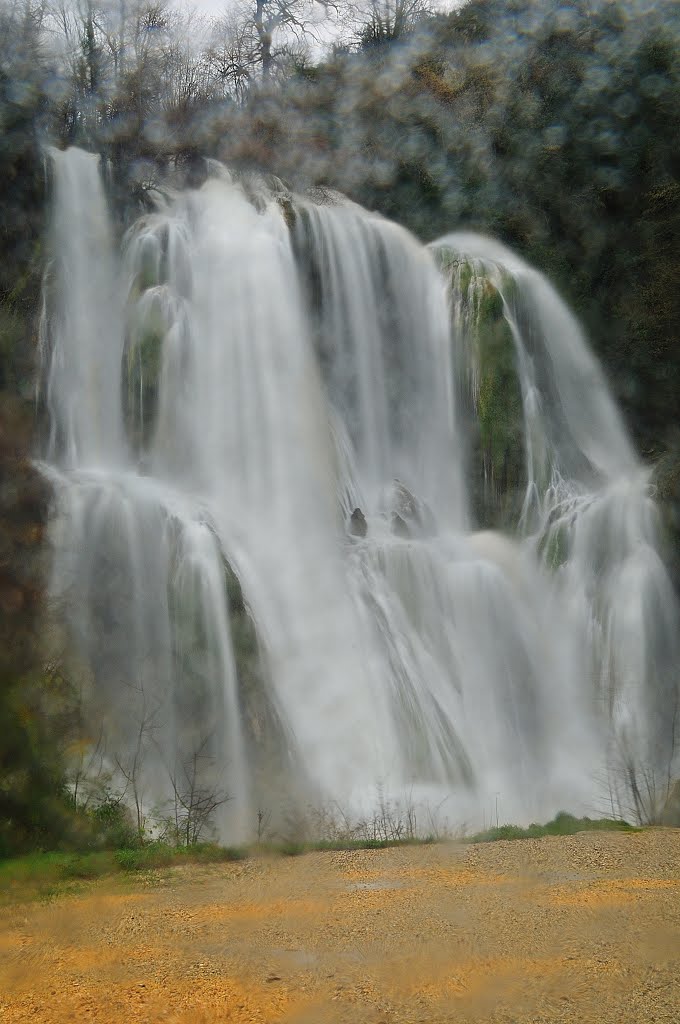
562,824
113,826
154,855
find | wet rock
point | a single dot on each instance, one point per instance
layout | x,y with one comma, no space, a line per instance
665,481
357,523
321,195
411,517
285,203
399,526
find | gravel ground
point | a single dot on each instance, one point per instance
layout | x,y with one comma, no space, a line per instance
582,928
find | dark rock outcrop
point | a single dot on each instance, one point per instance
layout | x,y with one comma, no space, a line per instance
358,526
411,517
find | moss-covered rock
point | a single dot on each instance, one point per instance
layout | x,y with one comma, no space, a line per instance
485,357
665,482
553,546
142,362
285,203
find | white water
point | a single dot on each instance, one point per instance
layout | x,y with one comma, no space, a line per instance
572,426
588,496
83,297
227,390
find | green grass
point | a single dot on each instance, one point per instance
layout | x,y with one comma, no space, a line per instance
43,875
293,848
562,824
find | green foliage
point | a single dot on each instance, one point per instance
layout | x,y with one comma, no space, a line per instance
297,847
554,546
290,848
34,806
562,824
500,400
113,827
142,368
154,855
498,454
41,875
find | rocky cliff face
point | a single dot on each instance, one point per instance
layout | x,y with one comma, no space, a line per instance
32,810
24,503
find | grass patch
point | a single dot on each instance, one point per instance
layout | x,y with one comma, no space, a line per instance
40,875
162,855
562,824
294,848
43,875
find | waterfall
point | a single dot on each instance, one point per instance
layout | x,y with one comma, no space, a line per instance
85,323
266,559
587,508
381,325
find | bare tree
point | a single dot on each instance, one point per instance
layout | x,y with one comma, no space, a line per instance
131,765
384,21
188,79
258,38
639,788
22,32
111,53
232,59
197,793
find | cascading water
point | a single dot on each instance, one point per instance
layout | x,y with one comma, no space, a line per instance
587,507
221,398
381,325
83,298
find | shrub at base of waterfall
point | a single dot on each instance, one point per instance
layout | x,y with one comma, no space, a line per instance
33,806
562,824
188,818
113,826
391,822
298,847
47,875
36,806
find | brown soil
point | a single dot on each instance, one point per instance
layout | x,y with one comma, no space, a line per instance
585,928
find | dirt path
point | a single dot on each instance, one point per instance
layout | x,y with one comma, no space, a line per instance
585,928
